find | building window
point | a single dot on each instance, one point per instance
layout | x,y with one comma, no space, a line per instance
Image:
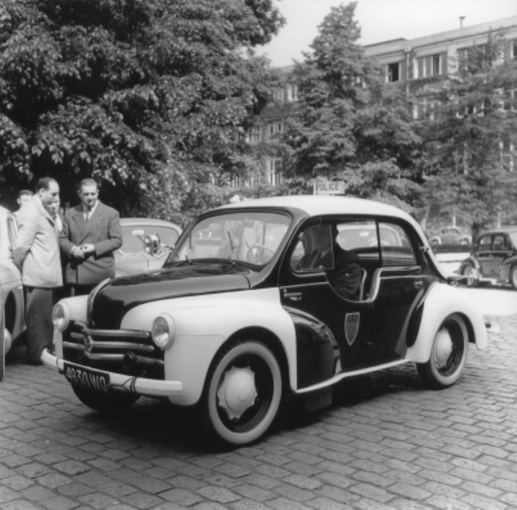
274,171
393,72
435,65
292,92
254,136
278,95
514,49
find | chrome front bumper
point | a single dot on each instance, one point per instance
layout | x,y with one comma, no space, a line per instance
139,385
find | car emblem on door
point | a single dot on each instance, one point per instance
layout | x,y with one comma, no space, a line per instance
351,326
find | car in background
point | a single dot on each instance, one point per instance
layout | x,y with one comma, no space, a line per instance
450,235
11,289
233,323
146,244
493,258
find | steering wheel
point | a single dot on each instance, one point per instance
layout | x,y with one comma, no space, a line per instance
258,253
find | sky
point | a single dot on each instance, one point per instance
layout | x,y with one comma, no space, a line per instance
380,20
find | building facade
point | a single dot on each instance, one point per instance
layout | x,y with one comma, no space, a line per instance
415,64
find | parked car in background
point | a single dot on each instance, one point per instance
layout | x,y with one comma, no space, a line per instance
146,243
450,235
11,289
493,258
235,321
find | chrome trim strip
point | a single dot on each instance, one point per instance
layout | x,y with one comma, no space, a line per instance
345,375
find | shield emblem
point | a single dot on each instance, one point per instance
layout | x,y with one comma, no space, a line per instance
351,326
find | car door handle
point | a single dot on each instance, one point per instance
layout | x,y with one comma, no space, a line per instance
293,296
418,284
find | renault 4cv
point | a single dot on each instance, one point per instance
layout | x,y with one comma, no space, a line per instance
240,317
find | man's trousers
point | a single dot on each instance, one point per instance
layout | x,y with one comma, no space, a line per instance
38,312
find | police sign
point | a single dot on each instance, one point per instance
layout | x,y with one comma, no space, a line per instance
321,187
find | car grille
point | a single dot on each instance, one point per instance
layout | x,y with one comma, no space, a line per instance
129,352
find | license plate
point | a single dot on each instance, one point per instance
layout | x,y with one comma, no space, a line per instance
88,378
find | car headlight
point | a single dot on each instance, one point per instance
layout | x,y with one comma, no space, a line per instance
60,316
163,331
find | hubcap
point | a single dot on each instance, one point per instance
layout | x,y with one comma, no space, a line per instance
443,348
237,391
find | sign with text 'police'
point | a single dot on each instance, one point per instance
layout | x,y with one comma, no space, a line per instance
329,187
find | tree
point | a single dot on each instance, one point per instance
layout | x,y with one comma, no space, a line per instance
471,138
148,96
349,125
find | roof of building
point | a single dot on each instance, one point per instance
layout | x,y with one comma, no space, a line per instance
458,33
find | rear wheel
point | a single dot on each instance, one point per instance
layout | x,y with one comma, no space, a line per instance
448,354
242,393
105,403
471,274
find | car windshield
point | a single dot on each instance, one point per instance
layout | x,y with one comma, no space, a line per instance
244,236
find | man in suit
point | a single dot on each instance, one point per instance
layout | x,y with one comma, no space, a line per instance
91,233
36,253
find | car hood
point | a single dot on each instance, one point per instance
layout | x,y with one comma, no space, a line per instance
113,300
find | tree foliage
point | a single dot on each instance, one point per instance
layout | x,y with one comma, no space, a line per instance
144,95
349,126
471,138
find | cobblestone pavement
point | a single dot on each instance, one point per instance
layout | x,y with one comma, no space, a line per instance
388,443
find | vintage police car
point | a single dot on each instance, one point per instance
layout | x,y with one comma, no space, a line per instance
235,321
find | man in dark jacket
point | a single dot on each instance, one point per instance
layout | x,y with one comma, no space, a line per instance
91,233
341,266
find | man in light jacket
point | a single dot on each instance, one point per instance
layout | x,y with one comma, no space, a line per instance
36,253
91,233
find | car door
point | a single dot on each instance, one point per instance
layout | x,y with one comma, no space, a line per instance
501,249
366,332
484,254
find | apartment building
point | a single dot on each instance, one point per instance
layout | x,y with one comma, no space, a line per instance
418,63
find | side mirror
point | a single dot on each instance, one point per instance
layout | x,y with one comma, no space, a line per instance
152,244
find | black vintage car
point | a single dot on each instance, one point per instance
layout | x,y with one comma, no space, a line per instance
493,259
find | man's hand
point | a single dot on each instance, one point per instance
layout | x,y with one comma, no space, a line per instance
77,253
87,249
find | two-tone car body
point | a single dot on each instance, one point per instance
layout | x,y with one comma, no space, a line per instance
234,321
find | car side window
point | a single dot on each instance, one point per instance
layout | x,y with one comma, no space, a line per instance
499,242
484,243
313,250
396,247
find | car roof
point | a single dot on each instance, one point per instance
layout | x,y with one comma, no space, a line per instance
501,230
315,205
135,222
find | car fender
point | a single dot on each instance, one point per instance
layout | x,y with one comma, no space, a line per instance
203,324
441,301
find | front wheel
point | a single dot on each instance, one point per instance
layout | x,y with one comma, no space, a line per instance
105,403
242,393
448,354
